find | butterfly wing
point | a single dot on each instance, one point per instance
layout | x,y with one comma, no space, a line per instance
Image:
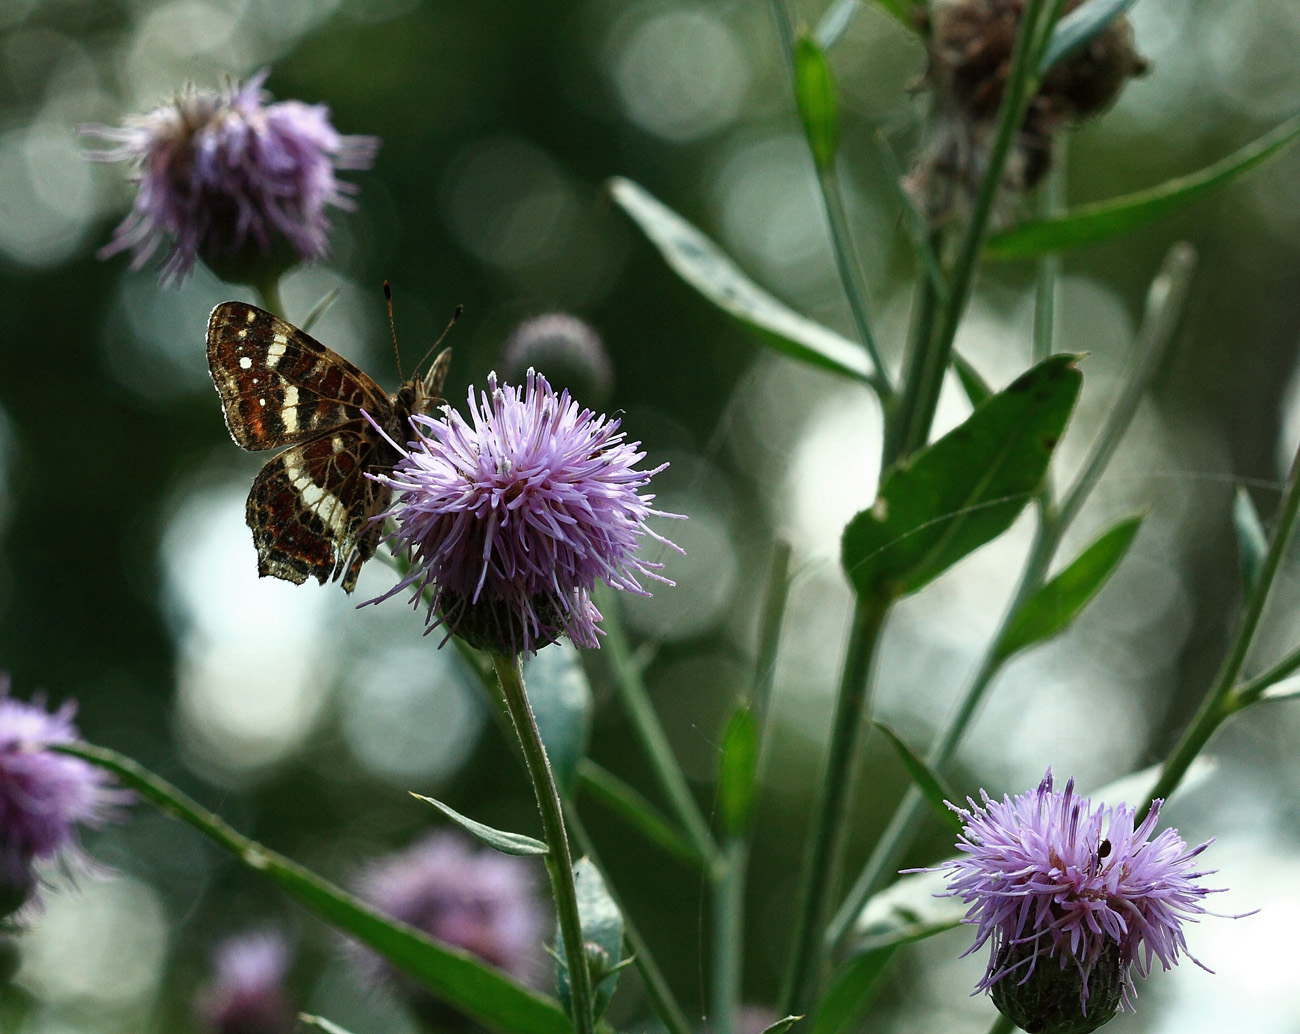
279,385
310,507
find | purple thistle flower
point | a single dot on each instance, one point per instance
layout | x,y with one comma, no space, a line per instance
513,516
1071,898
43,795
247,994
480,901
232,180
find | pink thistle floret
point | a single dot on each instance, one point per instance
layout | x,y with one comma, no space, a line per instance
247,994
228,177
517,512
44,795
1048,876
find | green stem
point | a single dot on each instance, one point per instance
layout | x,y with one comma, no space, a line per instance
920,391
1249,692
657,990
830,824
631,687
1218,702
1002,1025
917,230
728,934
271,299
1051,201
559,860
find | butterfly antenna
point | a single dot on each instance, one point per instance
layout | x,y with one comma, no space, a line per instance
445,331
392,327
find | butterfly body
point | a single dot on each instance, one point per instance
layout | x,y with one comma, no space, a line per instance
311,507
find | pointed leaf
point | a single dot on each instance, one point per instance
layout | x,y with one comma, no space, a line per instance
560,695
818,102
1252,542
738,771
782,1025
835,22
926,779
704,266
1079,27
1050,610
602,935
1102,220
976,387
625,801
965,489
459,978
497,839
1287,689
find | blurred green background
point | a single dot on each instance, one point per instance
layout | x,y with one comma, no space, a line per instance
128,579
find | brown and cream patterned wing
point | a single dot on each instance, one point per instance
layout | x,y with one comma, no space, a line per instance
310,507
279,385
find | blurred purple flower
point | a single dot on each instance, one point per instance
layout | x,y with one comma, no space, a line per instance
512,518
43,795
564,348
1072,898
232,180
247,993
480,901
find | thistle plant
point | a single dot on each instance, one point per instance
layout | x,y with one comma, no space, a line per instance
521,523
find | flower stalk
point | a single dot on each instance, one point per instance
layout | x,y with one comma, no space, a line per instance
559,860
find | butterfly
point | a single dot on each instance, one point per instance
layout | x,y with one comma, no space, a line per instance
311,508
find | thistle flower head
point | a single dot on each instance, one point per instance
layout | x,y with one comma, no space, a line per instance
511,516
247,993
232,180
44,796
1072,898
480,901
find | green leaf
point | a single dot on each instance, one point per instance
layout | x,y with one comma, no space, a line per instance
926,779
602,935
320,1023
1102,220
460,979
560,695
738,771
818,102
976,387
853,987
1051,609
321,307
626,802
1252,543
497,839
1285,690
1079,27
965,489
835,23
704,266
782,1025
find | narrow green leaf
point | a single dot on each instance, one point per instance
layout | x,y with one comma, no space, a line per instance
460,979
320,1023
927,780
1050,610
963,490
560,695
1288,690
738,771
818,102
497,839
1252,542
1102,220
622,799
835,23
704,266
782,1025
602,935
976,387
1079,27
321,307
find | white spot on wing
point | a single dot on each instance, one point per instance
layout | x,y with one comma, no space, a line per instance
276,351
250,317
289,412
245,363
261,402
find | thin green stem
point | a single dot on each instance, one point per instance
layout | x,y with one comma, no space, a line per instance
728,934
271,299
1217,704
656,985
830,825
559,860
631,688
920,390
917,230
1249,692
1051,200
1002,1025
